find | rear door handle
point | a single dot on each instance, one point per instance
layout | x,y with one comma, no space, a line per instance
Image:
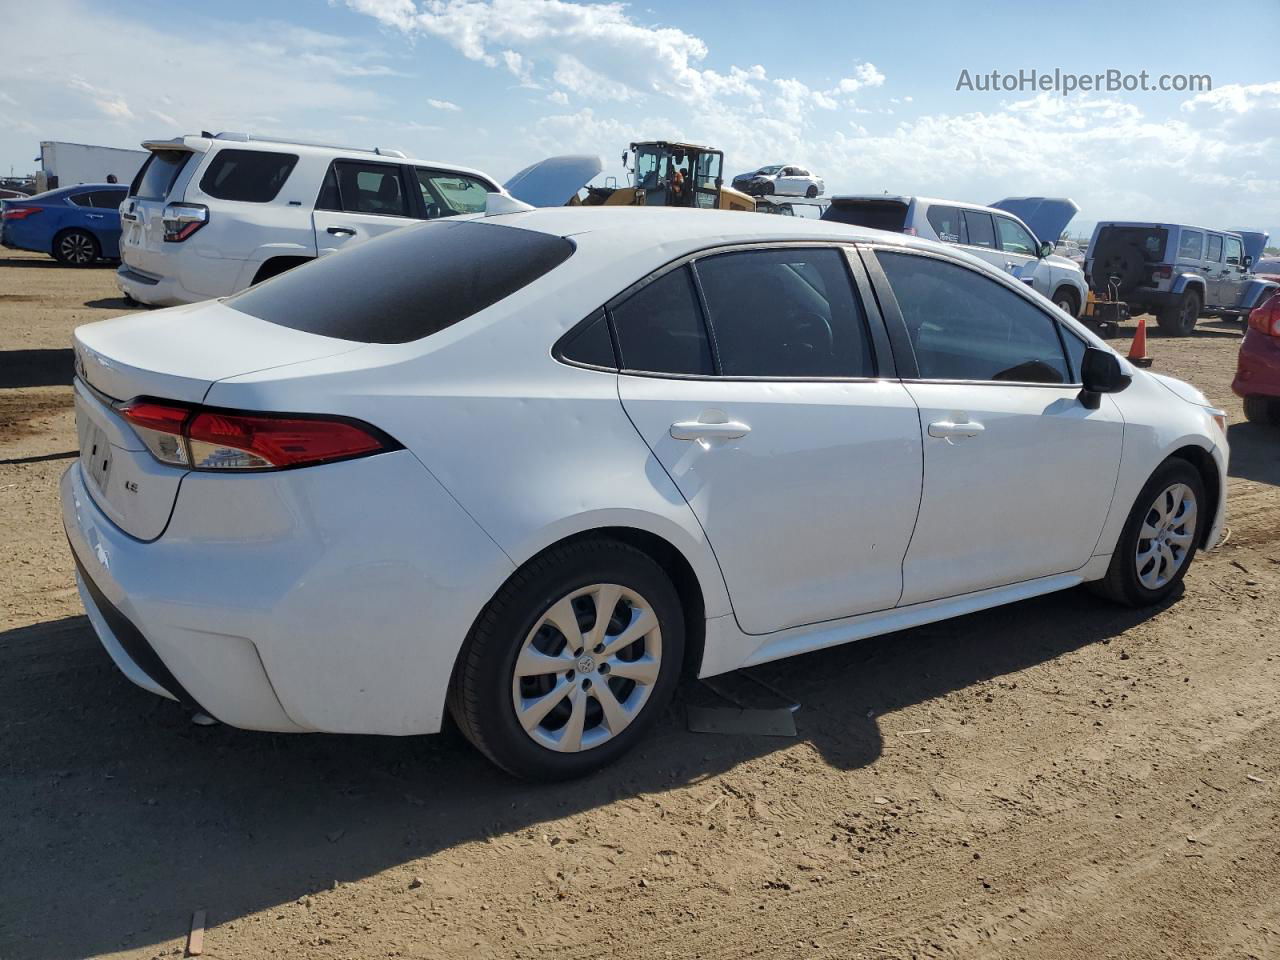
342,231
700,430
946,429
94,216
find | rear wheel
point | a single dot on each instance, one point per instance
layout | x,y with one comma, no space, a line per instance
571,662
812,191
1178,319
76,248
1159,539
1264,410
1067,300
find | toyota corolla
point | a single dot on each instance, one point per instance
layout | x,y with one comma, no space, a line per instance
533,467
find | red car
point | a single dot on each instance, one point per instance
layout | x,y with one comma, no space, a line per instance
1258,368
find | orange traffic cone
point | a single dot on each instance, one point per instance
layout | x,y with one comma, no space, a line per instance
1138,352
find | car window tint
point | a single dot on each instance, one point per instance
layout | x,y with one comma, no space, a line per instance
370,188
966,326
407,284
1215,248
251,176
1233,251
446,194
158,174
785,313
1075,351
1014,238
81,199
591,344
329,199
979,231
109,199
660,329
1190,245
945,222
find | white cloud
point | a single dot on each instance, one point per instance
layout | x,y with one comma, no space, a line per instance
558,97
447,105
864,75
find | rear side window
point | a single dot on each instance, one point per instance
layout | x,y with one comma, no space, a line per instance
874,214
1190,245
158,174
253,176
82,199
1215,248
108,199
945,222
592,344
966,326
356,187
785,313
660,328
407,284
978,229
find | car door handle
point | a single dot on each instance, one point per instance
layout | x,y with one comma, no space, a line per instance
94,216
945,429
342,231
701,430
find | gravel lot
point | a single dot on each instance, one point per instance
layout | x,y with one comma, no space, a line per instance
1057,779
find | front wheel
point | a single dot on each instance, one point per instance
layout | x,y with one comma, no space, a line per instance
76,248
1159,539
1067,300
573,660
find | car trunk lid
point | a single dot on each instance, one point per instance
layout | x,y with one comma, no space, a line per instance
142,213
175,354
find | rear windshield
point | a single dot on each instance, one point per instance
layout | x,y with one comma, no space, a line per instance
1149,241
408,284
254,176
875,214
158,174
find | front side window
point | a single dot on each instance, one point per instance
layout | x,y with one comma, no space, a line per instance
785,313
109,199
660,328
252,176
1190,245
1215,248
1233,251
356,187
980,232
966,326
1014,238
446,194
945,222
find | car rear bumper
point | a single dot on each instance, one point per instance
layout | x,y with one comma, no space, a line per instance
331,599
195,278
1258,366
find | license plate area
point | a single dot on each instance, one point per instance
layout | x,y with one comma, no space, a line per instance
96,456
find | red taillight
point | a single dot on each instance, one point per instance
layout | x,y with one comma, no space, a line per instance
181,220
20,213
1163,272
911,231
1266,318
225,440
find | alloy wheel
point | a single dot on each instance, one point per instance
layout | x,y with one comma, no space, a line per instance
76,248
1167,534
587,668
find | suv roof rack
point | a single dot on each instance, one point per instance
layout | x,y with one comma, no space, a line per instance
247,137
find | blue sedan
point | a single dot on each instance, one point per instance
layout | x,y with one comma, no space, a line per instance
74,225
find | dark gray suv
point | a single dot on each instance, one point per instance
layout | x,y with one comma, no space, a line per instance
1178,272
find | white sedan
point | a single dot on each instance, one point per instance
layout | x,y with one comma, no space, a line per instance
783,180
580,453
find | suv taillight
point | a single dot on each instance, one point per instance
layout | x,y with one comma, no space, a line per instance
198,438
181,220
20,213
1162,272
1266,318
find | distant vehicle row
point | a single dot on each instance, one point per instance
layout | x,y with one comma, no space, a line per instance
75,225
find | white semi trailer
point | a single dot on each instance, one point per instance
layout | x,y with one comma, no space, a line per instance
67,164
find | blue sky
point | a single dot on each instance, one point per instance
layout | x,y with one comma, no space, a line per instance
865,93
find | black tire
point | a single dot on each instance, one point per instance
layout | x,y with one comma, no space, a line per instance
1264,410
76,248
768,190
1067,299
1122,583
481,695
1178,319
812,191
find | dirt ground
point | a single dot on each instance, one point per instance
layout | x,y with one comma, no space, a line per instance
1057,779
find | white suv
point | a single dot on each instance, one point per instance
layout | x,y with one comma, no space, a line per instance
208,216
995,235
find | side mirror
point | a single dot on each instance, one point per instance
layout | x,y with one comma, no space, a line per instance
1247,262
1100,372
1046,248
